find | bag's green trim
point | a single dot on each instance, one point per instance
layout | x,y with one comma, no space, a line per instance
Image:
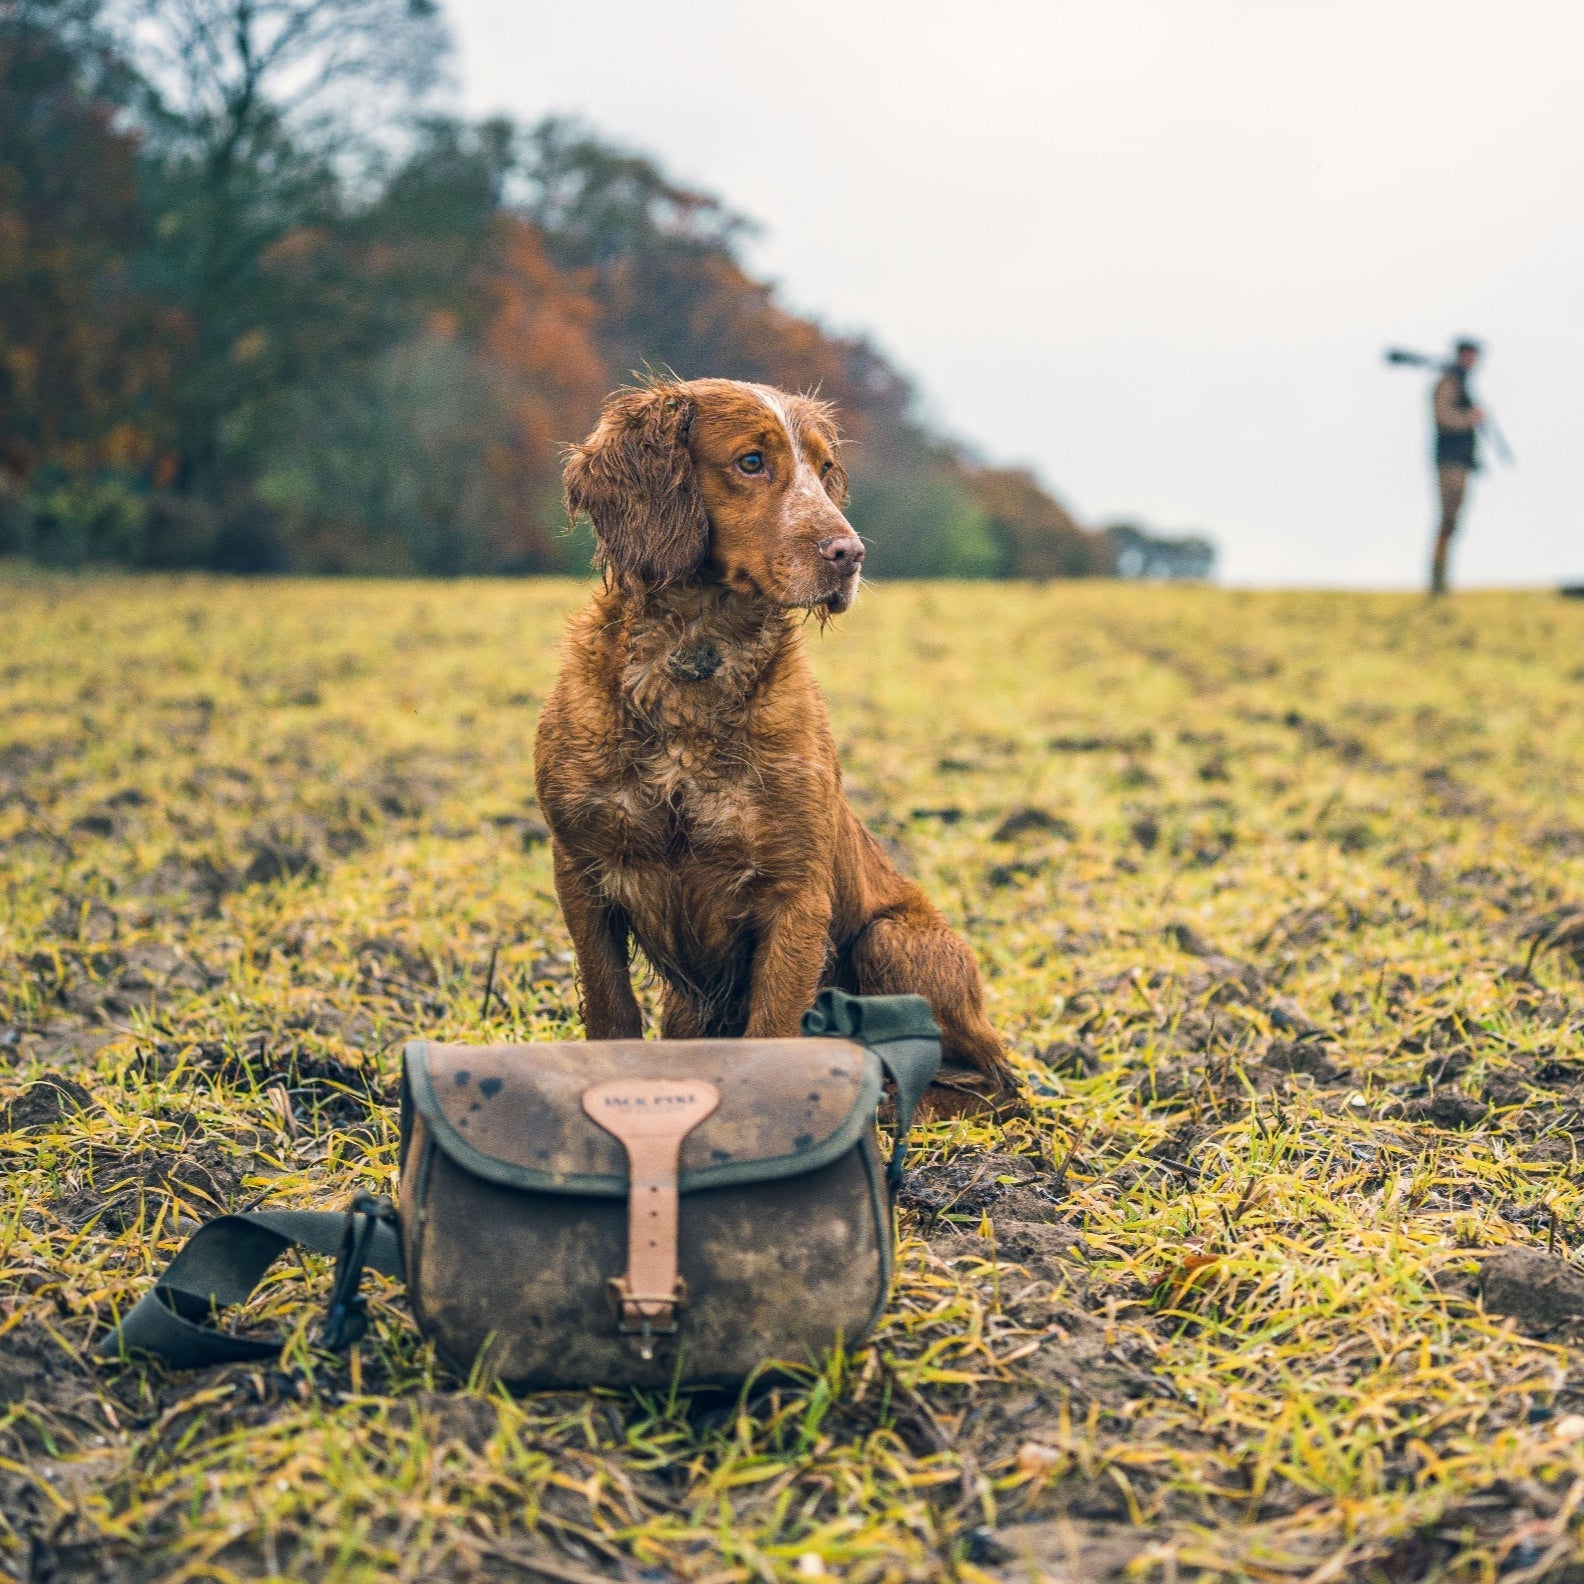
612,1185
871,1020
902,1032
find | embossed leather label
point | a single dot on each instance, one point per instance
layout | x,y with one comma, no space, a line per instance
651,1117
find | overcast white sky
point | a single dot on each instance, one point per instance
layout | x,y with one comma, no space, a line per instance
1153,248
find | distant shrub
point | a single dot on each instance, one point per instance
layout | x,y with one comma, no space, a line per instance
924,525
66,521
1139,553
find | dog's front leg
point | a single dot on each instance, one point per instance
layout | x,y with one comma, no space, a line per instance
787,967
600,939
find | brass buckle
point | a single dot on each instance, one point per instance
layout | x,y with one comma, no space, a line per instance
645,1318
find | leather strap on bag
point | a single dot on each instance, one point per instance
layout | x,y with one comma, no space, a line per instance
900,1030
651,1117
225,1259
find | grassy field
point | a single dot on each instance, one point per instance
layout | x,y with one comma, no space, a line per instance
1269,893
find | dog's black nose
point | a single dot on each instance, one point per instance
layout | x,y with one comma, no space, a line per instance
844,550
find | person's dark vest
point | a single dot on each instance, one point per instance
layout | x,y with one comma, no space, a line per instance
1455,447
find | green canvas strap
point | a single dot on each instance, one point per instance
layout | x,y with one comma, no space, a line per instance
225,1259
902,1032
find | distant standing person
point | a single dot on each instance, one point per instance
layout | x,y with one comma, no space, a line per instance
1457,422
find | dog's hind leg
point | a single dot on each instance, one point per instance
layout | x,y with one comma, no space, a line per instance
911,950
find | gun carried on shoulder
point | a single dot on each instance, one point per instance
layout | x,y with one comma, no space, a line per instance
1401,357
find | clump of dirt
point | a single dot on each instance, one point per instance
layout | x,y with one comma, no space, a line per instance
1176,1151
1029,821
1501,1092
972,1183
1449,1033
283,851
1560,930
1221,980
1555,1074
1214,1080
462,1417
1195,1031
1538,1290
1139,742
110,983
35,1368
1070,1059
204,879
323,1086
22,1371
1557,1150
1302,1056
1000,876
44,1103
1036,1243
206,1171
1187,939
950,814
203,1176
1224,977
1449,1065
1447,1108
1013,1191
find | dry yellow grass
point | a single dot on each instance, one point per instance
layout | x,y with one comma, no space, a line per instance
254,834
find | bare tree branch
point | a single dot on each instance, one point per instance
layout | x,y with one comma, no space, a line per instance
229,71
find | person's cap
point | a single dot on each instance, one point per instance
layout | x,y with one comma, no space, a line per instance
1466,344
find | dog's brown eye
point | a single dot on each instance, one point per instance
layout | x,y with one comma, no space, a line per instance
825,468
751,462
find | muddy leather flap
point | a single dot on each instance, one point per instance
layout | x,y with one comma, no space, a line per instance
513,1114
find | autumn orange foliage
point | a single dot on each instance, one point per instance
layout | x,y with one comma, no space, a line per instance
220,348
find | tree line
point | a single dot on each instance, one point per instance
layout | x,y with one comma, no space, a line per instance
262,310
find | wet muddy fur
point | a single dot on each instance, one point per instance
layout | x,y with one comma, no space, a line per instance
685,761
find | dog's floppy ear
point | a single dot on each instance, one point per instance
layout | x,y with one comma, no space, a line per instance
634,478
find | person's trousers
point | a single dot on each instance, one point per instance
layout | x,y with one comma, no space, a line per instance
1452,484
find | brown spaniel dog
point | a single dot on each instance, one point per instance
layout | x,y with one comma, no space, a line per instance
684,759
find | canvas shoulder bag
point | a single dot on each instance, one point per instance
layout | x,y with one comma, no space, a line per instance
606,1213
